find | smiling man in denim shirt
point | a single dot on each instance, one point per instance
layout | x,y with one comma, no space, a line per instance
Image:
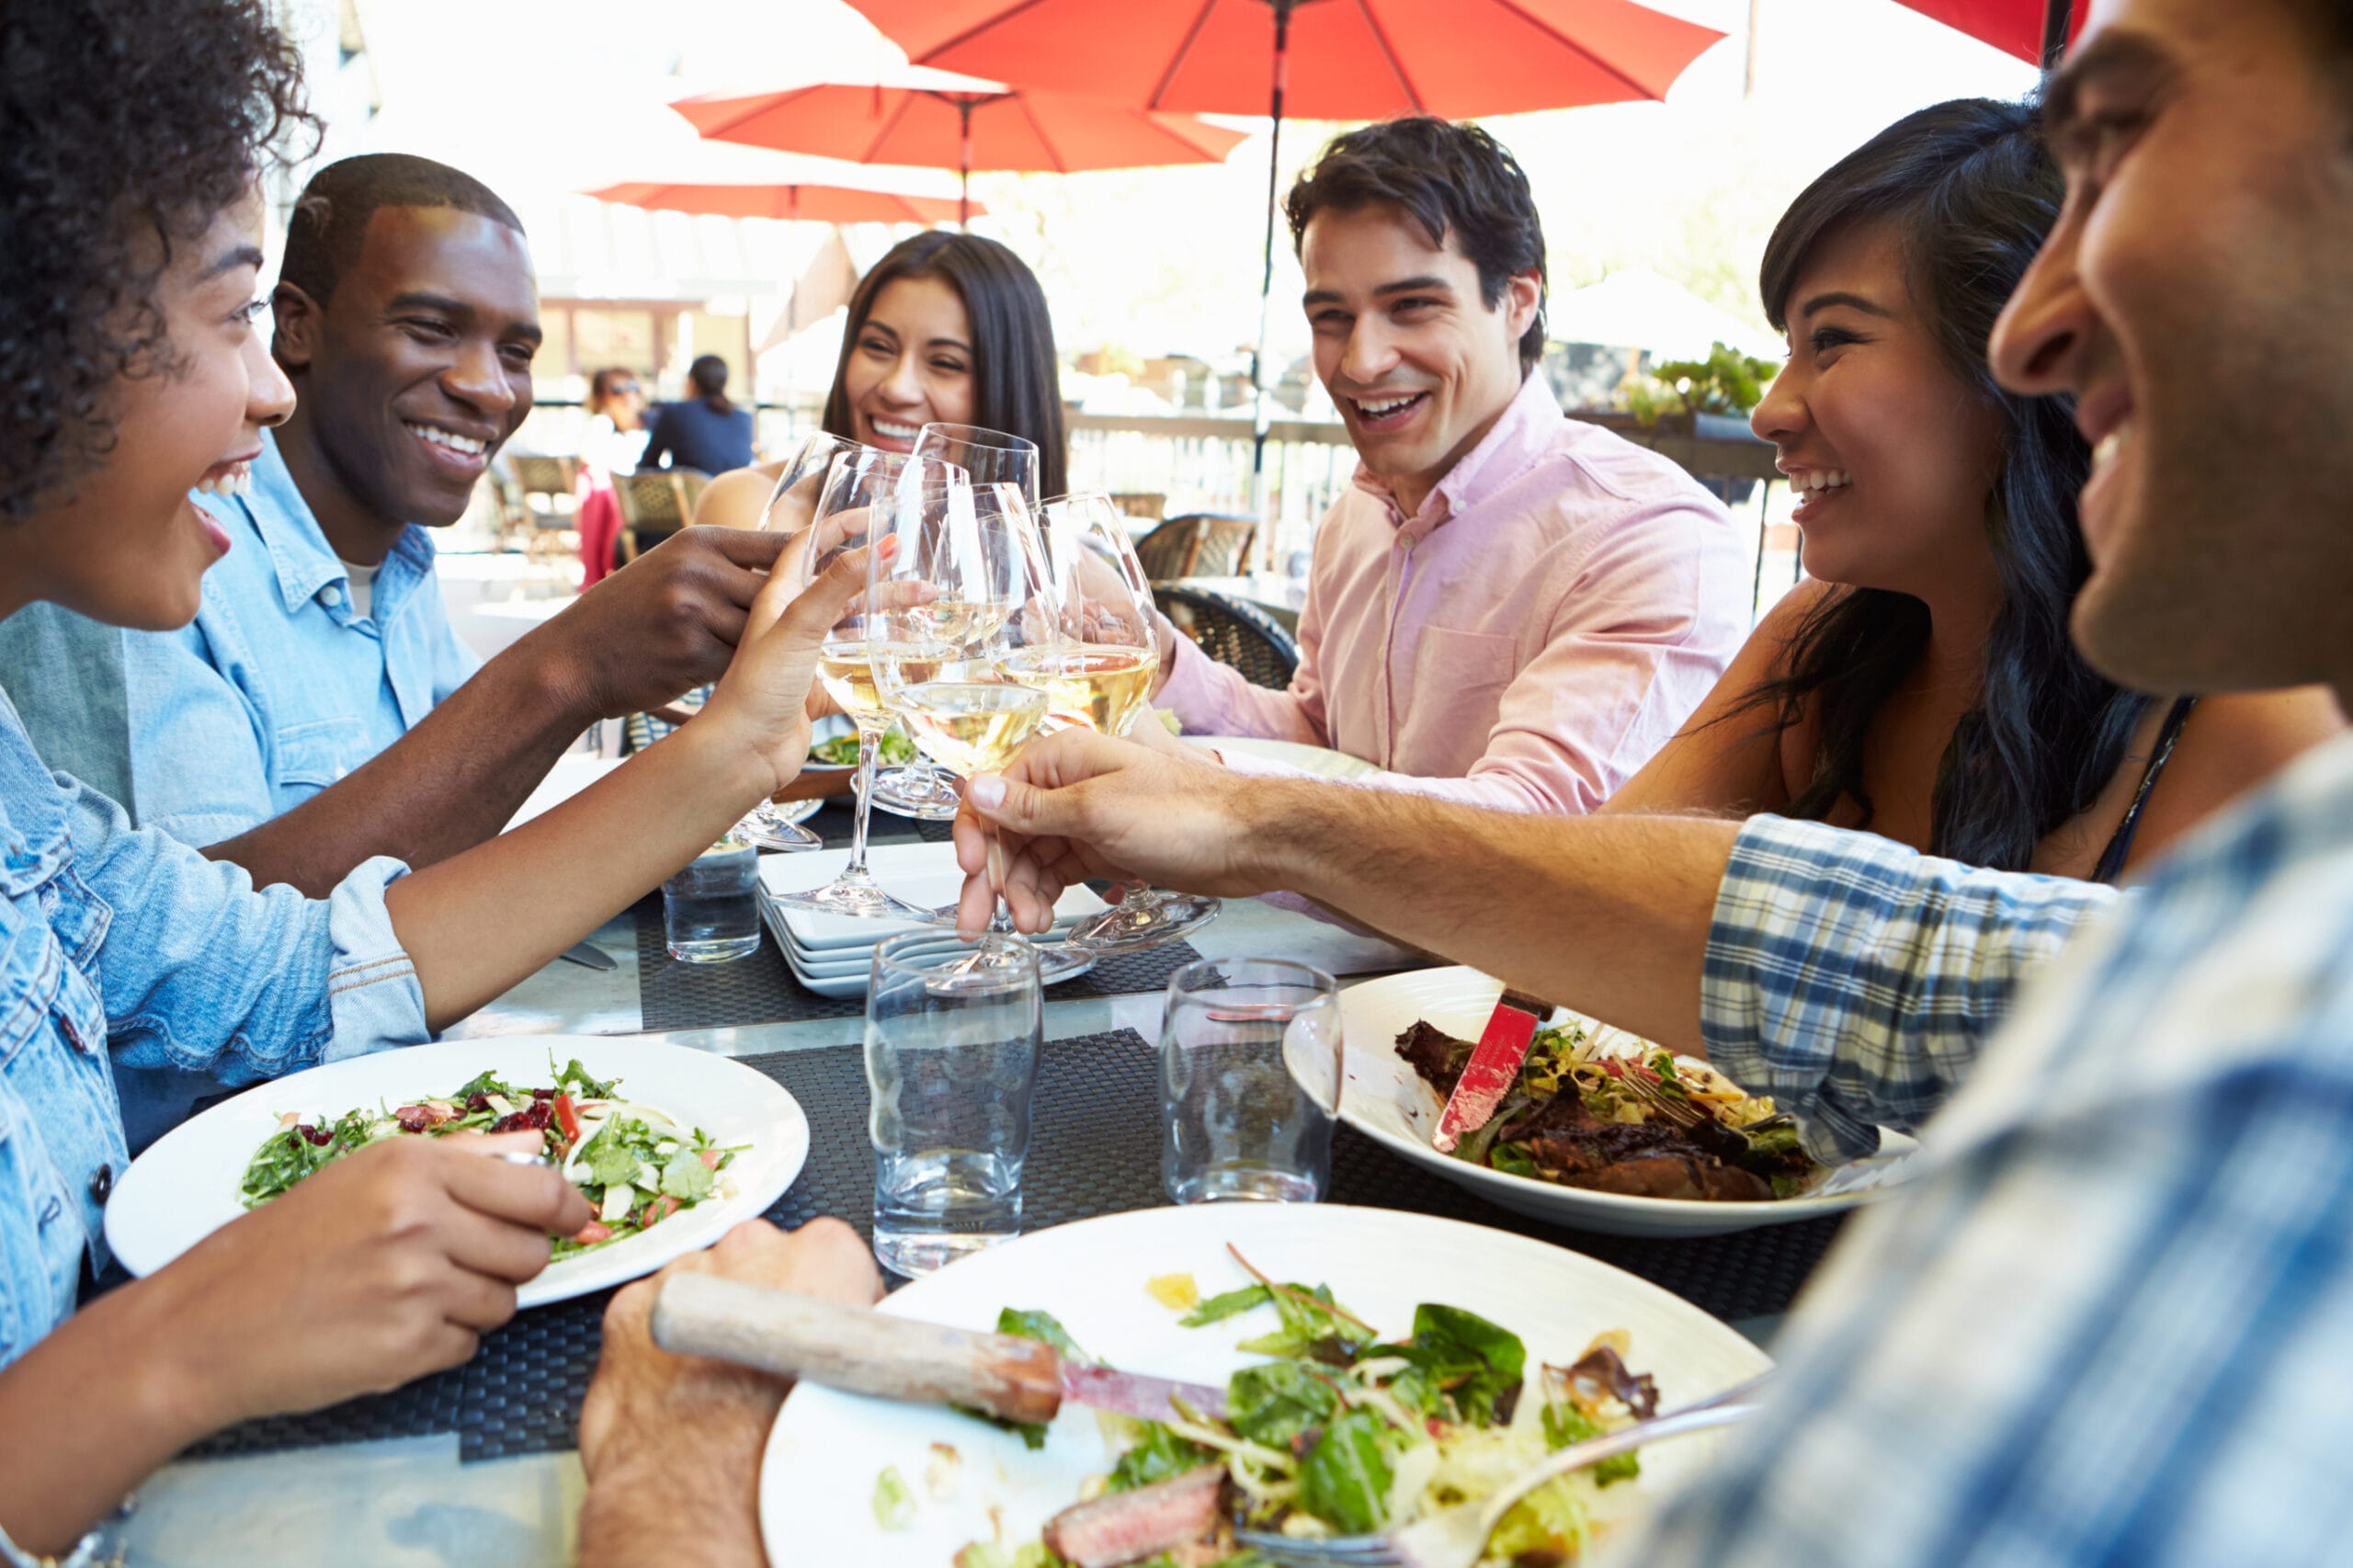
407,319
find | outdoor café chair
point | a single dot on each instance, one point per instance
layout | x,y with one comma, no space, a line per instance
1233,631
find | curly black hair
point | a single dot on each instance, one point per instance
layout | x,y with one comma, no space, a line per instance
1454,180
126,122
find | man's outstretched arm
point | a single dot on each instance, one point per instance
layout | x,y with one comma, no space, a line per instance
666,623
1841,972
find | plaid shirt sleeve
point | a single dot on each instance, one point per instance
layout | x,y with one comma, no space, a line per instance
1854,979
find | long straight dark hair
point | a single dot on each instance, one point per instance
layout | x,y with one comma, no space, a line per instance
1971,191
1016,382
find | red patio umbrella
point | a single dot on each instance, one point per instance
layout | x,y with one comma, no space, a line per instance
2036,30
1353,59
810,203
939,120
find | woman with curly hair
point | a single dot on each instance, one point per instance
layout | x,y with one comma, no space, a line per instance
132,374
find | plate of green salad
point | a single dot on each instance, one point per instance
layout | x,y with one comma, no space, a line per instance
670,1146
833,746
1377,1363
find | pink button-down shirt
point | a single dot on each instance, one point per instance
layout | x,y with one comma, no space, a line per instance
1545,622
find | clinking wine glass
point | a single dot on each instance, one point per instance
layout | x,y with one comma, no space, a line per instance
861,492
1098,674
977,594
988,457
791,506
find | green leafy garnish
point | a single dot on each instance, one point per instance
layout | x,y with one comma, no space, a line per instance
1158,1455
1344,1480
1273,1403
1565,1424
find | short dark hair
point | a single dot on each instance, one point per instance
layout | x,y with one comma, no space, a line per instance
1453,179
331,216
708,376
1016,380
1969,190
127,122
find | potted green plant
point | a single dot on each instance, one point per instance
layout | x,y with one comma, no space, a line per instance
1710,398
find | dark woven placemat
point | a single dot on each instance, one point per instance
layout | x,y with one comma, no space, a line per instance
762,989
1093,1153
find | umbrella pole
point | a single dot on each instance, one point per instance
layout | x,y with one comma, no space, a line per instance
791,317
1266,277
964,165
2056,15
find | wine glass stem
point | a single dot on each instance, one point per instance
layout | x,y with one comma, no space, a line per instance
1000,913
869,751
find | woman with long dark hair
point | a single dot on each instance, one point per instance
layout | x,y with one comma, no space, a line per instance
1923,685
947,328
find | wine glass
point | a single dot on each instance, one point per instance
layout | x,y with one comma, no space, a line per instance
967,592
791,508
861,489
989,456
1098,674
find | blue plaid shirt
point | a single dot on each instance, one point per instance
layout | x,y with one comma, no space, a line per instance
2110,1320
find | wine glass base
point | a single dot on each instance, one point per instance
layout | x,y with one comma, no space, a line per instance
1143,922
860,900
1055,964
909,790
771,829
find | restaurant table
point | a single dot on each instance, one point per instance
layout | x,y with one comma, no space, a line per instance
473,1466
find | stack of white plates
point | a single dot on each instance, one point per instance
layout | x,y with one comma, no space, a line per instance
830,954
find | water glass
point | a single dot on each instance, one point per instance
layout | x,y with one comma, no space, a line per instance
1249,1081
951,1063
710,910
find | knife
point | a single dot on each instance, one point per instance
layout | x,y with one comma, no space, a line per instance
864,1351
1493,1067
588,957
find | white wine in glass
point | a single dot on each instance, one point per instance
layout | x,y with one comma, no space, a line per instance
1100,685
971,726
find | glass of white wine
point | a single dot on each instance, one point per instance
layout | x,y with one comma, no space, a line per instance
791,506
972,578
1098,674
988,457
863,491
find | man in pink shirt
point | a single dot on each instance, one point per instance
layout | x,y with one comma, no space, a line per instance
1510,607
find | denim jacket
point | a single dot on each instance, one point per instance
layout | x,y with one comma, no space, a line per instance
281,686
131,945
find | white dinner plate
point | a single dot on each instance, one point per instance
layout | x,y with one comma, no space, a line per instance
1382,1097
1318,760
923,874
828,1448
186,1186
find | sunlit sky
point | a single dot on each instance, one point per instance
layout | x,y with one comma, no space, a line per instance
546,97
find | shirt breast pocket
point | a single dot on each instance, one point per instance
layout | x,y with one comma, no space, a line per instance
311,756
1448,663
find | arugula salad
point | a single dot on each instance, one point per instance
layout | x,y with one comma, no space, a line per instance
637,1162
1343,1431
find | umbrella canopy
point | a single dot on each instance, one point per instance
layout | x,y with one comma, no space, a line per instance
1357,59
1324,59
939,120
2028,29
810,203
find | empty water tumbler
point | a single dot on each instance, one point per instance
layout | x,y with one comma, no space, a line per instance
1249,1081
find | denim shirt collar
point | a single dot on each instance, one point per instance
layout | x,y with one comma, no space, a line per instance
33,837
304,562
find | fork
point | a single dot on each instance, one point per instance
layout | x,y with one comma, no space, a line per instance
1455,1538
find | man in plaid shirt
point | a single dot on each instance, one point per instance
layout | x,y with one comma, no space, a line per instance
2107,1322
